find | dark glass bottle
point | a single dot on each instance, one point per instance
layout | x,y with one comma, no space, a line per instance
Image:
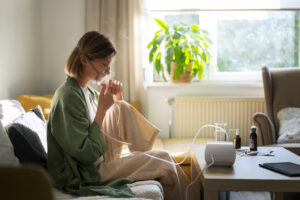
253,139
237,140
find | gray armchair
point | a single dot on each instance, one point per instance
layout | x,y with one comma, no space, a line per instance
282,89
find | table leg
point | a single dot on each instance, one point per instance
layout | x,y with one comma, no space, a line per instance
211,194
195,170
227,195
277,196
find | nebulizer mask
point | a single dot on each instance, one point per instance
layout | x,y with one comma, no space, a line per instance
101,78
104,80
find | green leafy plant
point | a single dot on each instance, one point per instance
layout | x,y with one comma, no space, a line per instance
181,44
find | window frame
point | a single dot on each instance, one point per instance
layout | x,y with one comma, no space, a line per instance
211,76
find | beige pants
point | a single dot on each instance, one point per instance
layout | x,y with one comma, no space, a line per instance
125,123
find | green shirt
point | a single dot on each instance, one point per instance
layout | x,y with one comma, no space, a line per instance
74,144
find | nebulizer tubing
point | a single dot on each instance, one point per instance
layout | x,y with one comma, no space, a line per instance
195,179
187,153
89,60
105,80
185,157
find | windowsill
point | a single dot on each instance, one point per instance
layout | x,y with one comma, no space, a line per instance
206,83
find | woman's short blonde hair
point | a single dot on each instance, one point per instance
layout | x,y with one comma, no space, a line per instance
93,45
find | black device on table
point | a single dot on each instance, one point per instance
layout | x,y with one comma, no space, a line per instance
286,168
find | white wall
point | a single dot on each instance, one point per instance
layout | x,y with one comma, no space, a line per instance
20,47
36,38
63,25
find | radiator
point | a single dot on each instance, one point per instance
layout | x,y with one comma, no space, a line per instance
193,112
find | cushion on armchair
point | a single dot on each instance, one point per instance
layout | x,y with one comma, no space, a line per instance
28,136
289,129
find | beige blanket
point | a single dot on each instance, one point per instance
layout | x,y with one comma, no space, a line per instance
125,123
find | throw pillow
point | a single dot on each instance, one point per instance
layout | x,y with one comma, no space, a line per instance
7,154
289,120
31,101
38,111
10,110
28,135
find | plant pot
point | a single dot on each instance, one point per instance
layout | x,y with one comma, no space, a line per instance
183,78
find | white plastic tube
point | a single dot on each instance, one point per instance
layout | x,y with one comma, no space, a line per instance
185,157
187,153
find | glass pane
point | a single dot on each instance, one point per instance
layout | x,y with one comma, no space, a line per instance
188,19
246,44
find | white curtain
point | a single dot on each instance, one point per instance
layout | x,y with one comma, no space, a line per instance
121,22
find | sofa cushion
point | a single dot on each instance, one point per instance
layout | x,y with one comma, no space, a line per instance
158,144
29,138
31,101
10,110
143,190
7,154
178,147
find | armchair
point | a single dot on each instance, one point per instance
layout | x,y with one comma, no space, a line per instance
281,88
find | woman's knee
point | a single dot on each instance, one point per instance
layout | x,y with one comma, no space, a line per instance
162,154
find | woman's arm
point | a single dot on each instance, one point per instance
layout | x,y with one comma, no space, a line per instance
72,130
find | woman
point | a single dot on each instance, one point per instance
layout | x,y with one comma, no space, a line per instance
81,159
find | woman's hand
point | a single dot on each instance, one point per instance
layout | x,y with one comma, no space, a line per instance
106,98
108,94
105,101
115,88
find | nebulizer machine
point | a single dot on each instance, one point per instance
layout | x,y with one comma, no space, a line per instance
216,153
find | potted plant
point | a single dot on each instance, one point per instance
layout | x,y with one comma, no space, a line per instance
184,49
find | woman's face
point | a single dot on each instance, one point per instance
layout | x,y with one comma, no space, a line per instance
100,67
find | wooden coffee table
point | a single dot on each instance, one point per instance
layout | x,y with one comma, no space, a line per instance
245,174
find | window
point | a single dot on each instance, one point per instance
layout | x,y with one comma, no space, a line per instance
243,39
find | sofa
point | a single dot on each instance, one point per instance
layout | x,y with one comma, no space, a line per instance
177,147
23,151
